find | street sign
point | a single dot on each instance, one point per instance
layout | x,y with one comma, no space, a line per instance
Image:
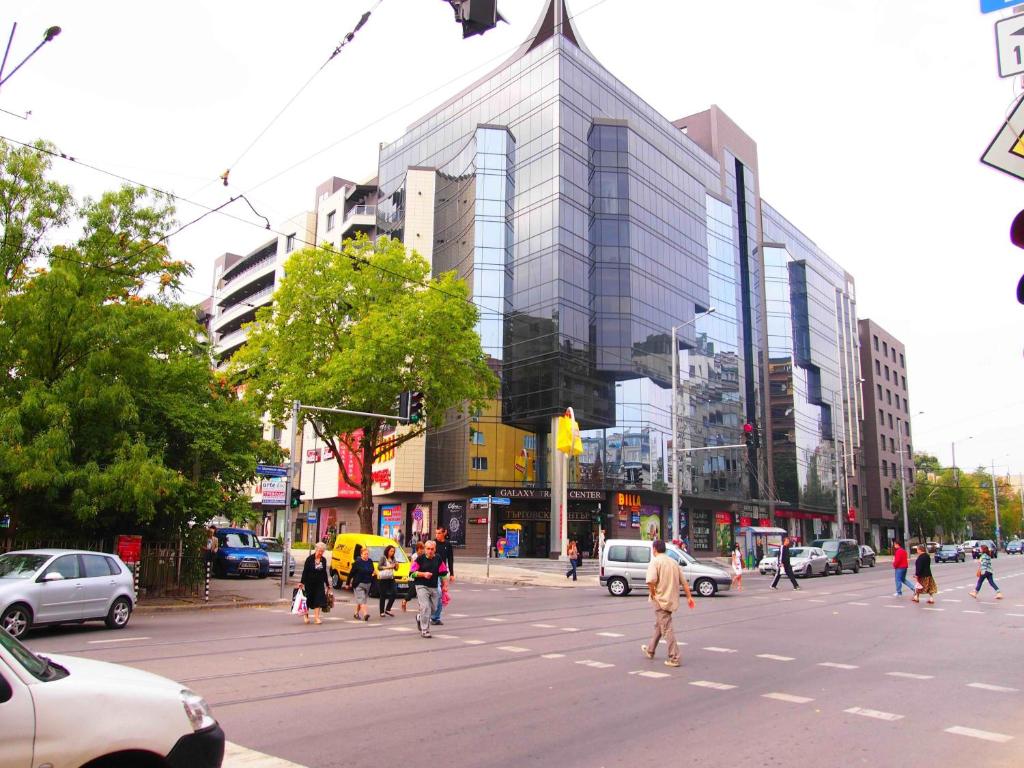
478,500
271,470
273,489
500,501
1010,46
988,6
1006,152
311,516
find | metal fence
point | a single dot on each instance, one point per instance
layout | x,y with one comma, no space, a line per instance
13,545
169,569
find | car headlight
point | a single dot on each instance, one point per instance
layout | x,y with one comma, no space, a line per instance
197,710
232,557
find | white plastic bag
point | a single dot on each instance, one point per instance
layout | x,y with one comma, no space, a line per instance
299,604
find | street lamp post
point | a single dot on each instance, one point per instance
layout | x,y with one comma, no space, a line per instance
903,486
995,501
674,417
48,35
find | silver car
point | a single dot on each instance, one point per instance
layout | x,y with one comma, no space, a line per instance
275,552
624,568
54,586
808,561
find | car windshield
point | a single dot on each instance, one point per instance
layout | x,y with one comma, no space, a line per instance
32,663
376,553
273,546
20,566
799,552
949,547
830,546
679,556
240,539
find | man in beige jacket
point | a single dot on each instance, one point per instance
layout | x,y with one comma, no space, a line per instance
664,578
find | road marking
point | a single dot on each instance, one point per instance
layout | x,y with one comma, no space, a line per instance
473,642
553,656
978,612
932,609
513,648
836,665
989,687
709,684
849,594
774,657
648,673
951,600
511,589
446,637
543,626
974,733
569,629
116,640
894,606
878,715
910,675
492,618
814,600
610,634
399,629
459,615
236,756
716,649
859,603
1018,615
333,618
595,664
786,697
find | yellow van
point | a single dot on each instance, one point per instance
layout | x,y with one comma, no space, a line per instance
344,553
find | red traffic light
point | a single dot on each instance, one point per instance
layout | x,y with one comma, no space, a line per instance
748,428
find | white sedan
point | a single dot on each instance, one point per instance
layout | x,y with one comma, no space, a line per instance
808,561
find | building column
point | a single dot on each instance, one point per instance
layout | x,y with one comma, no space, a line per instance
558,528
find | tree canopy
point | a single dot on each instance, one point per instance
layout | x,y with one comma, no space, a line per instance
353,329
112,419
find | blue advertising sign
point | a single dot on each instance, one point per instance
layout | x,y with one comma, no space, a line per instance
478,500
988,6
500,501
271,470
311,516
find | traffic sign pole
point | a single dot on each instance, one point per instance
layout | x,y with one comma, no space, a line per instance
288,485
488,537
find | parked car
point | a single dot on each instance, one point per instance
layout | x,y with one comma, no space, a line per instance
867,556
1015,547
770,562
949,553
932,547
67,711
239,553
969,546
275,551
843,554
56,586
808,561
624,568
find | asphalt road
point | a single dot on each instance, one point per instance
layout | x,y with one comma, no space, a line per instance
840,673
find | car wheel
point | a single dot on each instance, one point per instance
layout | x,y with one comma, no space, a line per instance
17,619
872,563
618,587
705,587
119,613
825,571
856,567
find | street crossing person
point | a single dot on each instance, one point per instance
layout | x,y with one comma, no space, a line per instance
386,580
664,577
737,568
900,564
315,583
361,579
985,573
784,564
923,574
447,554
428,573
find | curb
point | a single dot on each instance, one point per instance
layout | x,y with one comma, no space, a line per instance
209,606
513,581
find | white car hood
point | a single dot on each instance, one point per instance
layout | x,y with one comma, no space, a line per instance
100,672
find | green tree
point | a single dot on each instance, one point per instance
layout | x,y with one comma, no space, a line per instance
111,418
353,329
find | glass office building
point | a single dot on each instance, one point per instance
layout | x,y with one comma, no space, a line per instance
588,226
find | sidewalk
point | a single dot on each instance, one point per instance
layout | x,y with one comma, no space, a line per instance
224,593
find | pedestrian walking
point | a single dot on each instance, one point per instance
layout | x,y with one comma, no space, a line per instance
984,573
664,577
784,565
210,547
573,553
412,579
386,580
361,579
429,583
447,554
737,568
923,574
900,564
316,583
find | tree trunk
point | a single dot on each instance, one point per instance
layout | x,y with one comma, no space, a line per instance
365,512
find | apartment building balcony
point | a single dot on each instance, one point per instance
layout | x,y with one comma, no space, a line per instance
228,343
225,315
249,273
358,217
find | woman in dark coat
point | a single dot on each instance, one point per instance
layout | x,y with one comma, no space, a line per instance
316,582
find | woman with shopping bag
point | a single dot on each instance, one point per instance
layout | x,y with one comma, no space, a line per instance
316,583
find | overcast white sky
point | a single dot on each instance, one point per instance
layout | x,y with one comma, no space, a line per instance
869,119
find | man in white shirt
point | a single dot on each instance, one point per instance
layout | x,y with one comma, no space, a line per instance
664,577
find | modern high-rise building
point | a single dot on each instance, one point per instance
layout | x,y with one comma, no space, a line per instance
888,456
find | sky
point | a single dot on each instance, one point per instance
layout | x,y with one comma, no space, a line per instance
869,118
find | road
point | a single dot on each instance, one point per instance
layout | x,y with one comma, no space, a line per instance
840,672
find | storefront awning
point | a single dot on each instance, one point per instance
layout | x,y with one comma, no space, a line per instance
759,531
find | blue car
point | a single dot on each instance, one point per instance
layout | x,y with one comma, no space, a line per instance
239,553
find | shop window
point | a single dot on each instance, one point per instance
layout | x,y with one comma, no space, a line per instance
480,463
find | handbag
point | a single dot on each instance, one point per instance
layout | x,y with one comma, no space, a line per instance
330,600
977,574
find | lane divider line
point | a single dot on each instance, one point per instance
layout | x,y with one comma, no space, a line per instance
875,713
974,733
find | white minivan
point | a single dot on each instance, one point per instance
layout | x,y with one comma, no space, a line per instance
66,712
624,568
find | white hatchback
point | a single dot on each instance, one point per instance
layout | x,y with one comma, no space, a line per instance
54,586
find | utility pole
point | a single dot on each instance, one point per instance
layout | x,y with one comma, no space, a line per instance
903,498
289,483
995,501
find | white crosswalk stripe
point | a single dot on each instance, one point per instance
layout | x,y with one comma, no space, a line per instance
710,684
594,664
543,626
959,730
910,675
473,642
836,665
610,634
237,756
989,687
787,697
648,673
716,649
513,648
774,657
874,713
553,656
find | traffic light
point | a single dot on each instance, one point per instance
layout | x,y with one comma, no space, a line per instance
416,414
297,494
750,435
476,16
402,406
1017,238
